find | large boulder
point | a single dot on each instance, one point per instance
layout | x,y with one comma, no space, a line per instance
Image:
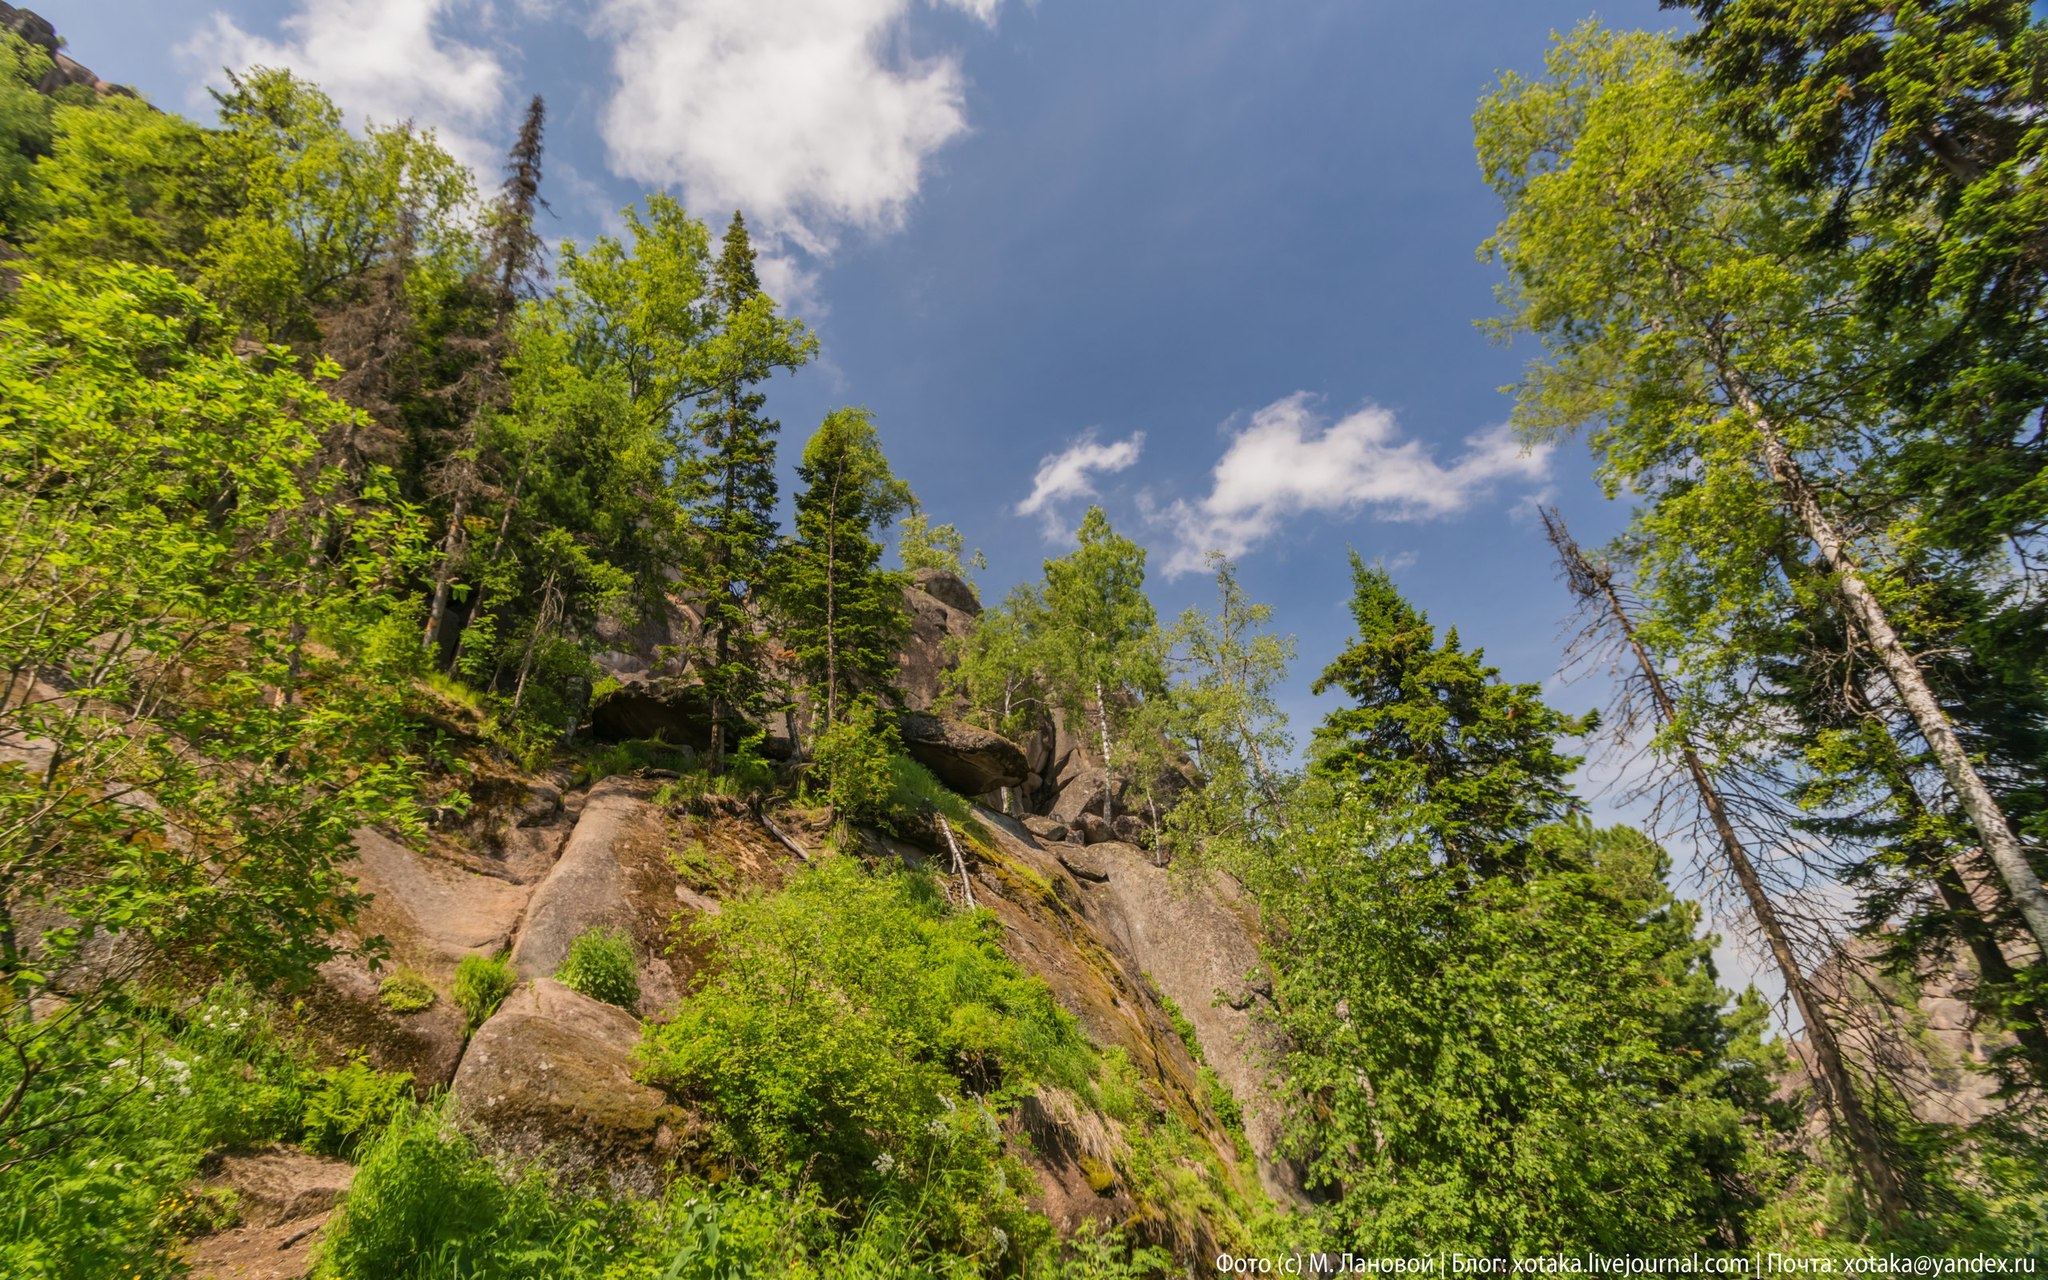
549,1078
1092,790
941,609
948,589
971,761
613,873
637,704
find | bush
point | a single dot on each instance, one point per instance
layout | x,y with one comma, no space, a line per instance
749,770
854,759
349,1103
406,992
601,965
481,984
858,1033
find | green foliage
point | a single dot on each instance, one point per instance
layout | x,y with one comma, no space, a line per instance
920,544
844,613
633,756
1522,1064
146,1093
348,1104
915,793
166,531
856,1033
481,984
406,991
855,756
1433,733
601,965
730,482
750,771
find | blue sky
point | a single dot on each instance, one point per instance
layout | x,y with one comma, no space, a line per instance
1223,251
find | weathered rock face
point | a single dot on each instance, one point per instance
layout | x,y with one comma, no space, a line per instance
613,874
1194,940
940,607
1927,1042
642,705
1089,791
433,912
549,1077
970,760
948,589
36,30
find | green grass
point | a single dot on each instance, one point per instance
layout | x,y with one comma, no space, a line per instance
601,965
481,984
406,991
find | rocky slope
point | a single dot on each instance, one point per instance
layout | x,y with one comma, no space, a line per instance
523,864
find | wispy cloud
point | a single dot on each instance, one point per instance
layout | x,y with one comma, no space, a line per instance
1288,461
1065,476
380,60
809,115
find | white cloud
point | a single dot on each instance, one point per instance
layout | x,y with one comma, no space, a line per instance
381,60
1287,461
1064,476
810,115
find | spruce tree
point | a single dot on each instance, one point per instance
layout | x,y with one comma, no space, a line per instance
732,480
512,261
1434,731
845,611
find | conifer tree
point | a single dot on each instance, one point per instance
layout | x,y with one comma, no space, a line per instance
732,481
845,611
1434,731
512,260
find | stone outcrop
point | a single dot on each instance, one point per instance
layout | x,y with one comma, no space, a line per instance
549,1078
640,704
36,30
1191,940
970,760
613,873
941,607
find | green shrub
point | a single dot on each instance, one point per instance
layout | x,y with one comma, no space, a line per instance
481,984
600,964
749,770
406,992
915,792
635,755
349,1103
853,759
858,1034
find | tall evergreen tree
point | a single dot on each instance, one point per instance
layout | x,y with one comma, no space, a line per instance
512,262
732,480
1434,731
845,612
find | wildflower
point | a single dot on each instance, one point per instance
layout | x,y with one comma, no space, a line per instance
885,1164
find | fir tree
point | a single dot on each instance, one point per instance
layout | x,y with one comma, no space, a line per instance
512,262
845,612
1435,731
732,481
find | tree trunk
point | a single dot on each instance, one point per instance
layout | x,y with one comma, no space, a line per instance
1594,586
444,574
1108,772
1868,613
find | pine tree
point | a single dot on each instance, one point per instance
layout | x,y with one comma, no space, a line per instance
732,480
845,612
1435,732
